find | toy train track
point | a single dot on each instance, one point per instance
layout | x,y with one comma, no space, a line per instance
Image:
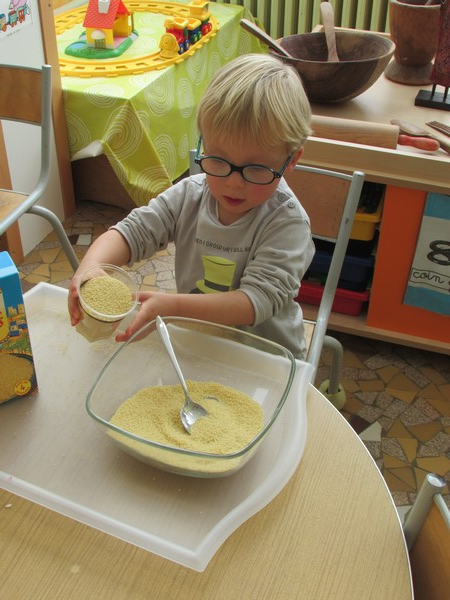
114,68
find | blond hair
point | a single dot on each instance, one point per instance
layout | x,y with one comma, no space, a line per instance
256,97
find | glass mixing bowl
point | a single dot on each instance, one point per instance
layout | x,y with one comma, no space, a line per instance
206,353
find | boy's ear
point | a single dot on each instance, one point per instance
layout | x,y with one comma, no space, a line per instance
295,158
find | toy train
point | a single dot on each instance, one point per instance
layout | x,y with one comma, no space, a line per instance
182,32
186,31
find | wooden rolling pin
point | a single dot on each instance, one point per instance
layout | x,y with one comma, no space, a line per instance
370,134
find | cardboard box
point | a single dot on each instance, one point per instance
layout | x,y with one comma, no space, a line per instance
17,372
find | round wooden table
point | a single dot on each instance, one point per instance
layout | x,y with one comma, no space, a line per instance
333,532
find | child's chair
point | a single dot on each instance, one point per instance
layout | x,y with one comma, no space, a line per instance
330,198
427,534
26,96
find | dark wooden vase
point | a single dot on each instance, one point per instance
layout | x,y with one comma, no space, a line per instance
414,27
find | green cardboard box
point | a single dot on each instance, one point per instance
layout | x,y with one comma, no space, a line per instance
17,371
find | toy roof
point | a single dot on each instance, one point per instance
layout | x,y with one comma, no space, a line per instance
95,18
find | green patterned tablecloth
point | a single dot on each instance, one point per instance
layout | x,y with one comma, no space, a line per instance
145,123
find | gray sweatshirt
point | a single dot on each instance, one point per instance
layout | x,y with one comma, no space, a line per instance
264,254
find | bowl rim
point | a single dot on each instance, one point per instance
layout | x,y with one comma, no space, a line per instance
185,452
339,33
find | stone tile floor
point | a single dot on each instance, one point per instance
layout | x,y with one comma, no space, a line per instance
398,398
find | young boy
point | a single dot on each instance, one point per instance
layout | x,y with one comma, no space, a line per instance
242,239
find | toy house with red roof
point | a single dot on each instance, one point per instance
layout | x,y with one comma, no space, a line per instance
106,22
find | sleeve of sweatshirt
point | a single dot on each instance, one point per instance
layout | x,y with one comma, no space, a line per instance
148,229
283,254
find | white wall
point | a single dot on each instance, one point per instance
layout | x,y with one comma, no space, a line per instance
25,47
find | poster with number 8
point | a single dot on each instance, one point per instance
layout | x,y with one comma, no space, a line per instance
429,279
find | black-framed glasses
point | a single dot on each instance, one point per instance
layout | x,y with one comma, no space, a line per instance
219,167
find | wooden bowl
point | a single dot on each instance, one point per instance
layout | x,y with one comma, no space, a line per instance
363,58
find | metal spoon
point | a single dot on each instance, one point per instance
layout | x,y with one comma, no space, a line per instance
327,14
190,411
264,37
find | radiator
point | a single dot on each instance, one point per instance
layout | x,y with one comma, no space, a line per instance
285,17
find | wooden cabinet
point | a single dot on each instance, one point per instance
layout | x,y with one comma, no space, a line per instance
408,174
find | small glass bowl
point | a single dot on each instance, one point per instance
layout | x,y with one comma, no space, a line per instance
96,325
207,353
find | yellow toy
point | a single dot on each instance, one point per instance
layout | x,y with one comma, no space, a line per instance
105,21
199,9
198,31
168,46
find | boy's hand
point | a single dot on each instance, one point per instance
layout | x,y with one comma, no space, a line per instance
228,308
75,312
110,248
152,304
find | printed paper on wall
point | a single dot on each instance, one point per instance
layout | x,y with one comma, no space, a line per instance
14,16
429,280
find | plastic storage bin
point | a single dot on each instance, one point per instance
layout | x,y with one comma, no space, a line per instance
346,302
355,247
364,224
369,211
355,275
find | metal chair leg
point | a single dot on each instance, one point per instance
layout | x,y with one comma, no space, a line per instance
331,388
336,363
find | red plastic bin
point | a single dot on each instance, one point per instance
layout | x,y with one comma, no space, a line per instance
346,302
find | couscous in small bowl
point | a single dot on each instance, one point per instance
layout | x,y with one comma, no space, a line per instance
107,294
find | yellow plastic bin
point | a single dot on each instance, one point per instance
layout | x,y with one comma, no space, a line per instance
365,224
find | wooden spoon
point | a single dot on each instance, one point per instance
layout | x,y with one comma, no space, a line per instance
264,37
327,13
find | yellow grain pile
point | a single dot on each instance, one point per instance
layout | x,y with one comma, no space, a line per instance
153,413
106,295
13,370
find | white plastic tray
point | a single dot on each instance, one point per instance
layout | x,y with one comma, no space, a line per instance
52,453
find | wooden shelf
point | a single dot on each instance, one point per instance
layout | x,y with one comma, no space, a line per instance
356,325
404,167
